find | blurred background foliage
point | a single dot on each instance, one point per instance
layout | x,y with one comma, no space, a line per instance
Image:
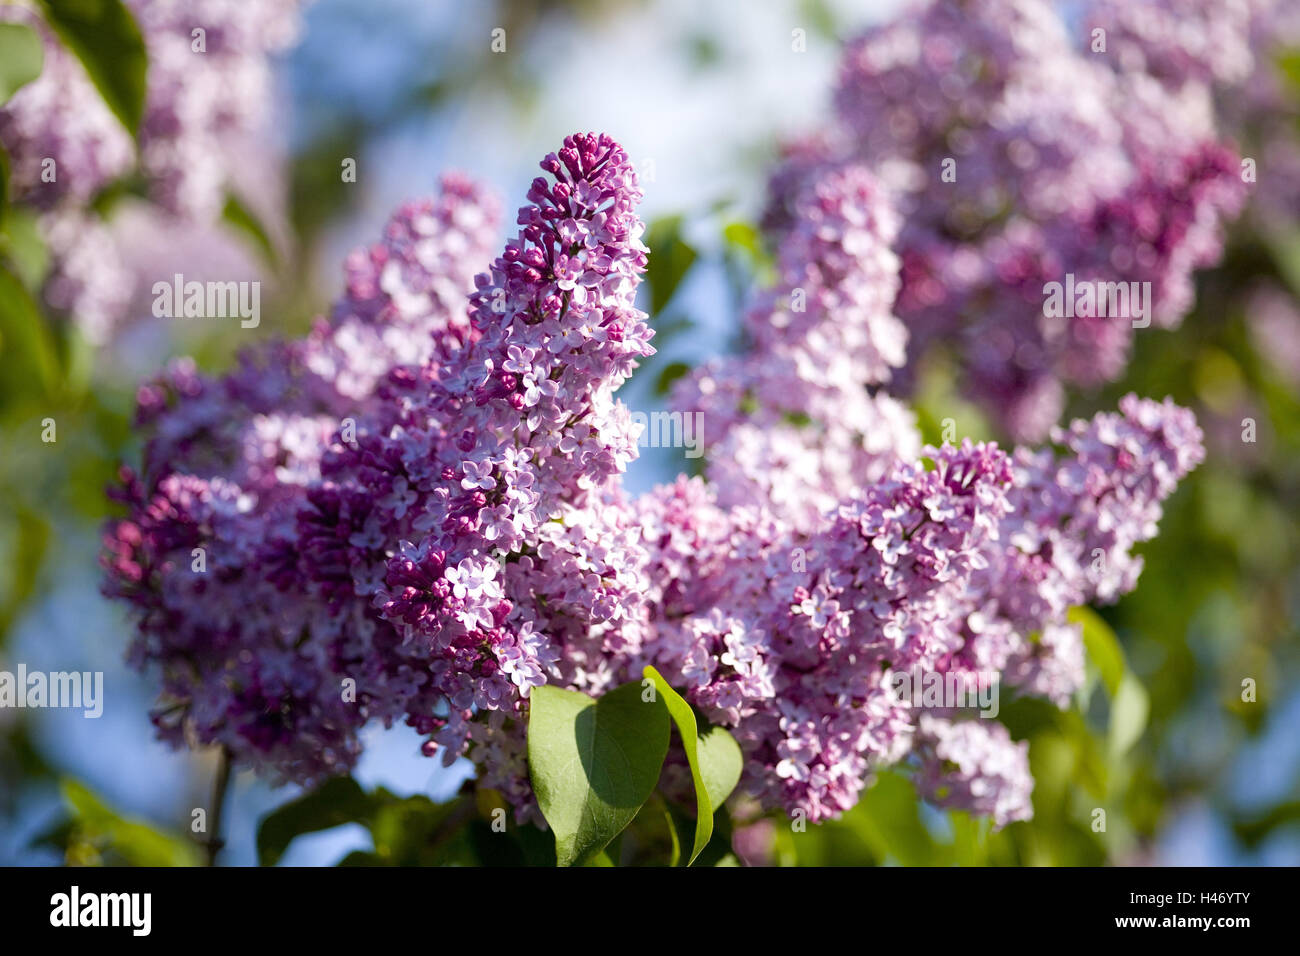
1160,742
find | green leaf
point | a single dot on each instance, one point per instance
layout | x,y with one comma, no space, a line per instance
24,249
107,41
653,838
27,349
675,853
669,376
713,754
593,763
24,540
888,819
1102,645
1128,715
745,238
241,219
406,831
415,831
337,801
21,58
96,833
744,246
1129,702
671,257
4,187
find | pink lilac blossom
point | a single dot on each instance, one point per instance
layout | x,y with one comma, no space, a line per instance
229,466
1228,52
469,539
974,765
201,102
87,277
507,448
791,422
1207,41
1018,158
965,569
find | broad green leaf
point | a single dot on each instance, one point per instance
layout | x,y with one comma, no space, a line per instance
1128,715
888,819
96,833
671,257
653,838
1102,645
713,754
107,41
4,187
664,814
21,57
24,539
593,763
24,248
242,219
27,350
744,238
337,801
669,375
1284,246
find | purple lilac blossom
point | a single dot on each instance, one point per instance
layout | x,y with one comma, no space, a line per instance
249,658
1017,158
793,425
1226,52
974,765
469,538
201,102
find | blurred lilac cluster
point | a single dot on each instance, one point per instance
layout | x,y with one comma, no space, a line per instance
1025,149
791,422
417,513
250,646
208,86
1229,52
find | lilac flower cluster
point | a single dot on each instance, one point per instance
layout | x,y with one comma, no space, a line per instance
208,86
415,545
249,659
991,771
964,569
1020,157
1226,55
797,429
417,514
499,459
203,105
